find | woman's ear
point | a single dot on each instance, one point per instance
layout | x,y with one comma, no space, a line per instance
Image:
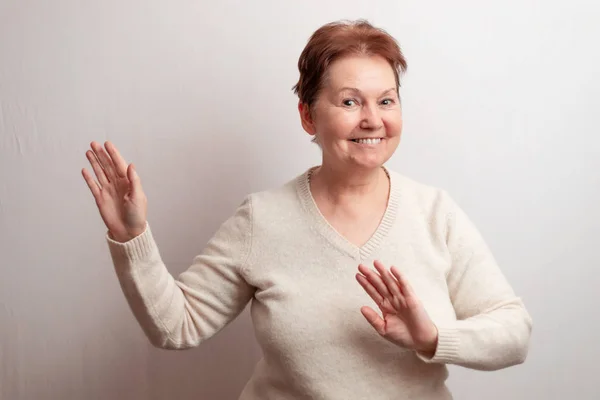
306,117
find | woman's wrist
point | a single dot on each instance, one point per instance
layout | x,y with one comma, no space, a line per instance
429,347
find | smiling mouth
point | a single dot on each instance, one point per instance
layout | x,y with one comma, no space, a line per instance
367,141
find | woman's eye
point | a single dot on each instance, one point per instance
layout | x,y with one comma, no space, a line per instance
349,102
387,102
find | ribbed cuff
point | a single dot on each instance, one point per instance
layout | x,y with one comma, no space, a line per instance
140,248
447,347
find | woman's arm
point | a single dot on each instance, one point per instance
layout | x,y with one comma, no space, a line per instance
180,313
493,328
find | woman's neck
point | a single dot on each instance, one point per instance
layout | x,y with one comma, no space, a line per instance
349,187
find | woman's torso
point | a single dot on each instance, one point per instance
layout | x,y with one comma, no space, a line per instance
306,309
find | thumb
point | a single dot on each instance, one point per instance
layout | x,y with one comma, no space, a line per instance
374,319
134,179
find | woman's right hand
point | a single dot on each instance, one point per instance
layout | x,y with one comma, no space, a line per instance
118,192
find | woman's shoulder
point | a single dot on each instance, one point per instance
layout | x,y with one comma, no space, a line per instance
427,197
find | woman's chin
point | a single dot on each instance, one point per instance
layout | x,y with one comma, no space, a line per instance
373,156
371,162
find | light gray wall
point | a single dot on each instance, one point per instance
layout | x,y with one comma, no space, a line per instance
500,103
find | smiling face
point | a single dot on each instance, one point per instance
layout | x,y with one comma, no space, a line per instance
356,118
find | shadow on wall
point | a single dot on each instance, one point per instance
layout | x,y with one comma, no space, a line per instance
120,364
217,369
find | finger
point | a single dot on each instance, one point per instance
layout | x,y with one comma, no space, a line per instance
392,284
105,161
376,281
117,159
91,156
371,291
94,188
374,319
407,290
134,179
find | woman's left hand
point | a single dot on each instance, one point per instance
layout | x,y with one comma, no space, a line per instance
405,321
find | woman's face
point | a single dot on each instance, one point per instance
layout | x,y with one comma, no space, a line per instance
356,118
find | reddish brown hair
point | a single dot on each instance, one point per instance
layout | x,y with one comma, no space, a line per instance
338,39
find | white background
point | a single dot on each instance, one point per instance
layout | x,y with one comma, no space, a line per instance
500,100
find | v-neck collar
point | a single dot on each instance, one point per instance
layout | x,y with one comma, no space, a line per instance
332,235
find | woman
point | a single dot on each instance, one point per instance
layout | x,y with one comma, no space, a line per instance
302,253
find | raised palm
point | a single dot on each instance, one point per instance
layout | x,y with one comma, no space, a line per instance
404,320
117,191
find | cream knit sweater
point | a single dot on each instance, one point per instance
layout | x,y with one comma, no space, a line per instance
279,252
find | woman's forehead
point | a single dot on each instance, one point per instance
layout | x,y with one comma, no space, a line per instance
364,75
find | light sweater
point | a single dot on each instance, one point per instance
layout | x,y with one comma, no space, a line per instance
280,253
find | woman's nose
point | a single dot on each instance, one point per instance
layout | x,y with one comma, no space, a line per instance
370,118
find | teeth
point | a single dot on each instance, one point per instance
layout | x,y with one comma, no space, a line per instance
368,141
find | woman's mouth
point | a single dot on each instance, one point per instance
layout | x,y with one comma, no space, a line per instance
367,140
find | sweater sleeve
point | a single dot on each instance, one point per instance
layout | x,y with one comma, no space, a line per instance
492,327
178,313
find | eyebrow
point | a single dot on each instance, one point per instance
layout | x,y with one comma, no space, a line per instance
352,89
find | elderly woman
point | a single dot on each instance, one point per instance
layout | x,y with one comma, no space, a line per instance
319,255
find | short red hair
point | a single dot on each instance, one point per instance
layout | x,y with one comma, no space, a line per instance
338,39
